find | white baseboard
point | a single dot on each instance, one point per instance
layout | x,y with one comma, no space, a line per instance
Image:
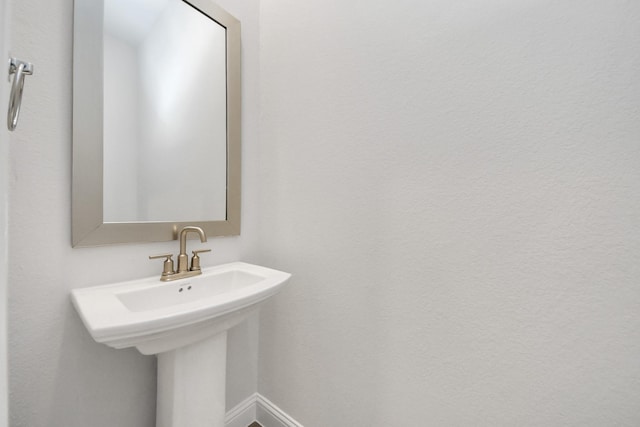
258,408
243,414
269,415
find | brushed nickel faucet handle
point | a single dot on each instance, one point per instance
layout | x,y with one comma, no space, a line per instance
183,258
195,261
168,264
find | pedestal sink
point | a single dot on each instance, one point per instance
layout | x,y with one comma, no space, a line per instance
185,324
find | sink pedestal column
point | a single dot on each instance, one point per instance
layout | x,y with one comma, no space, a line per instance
191,384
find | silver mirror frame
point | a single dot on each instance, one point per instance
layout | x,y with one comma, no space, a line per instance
88,227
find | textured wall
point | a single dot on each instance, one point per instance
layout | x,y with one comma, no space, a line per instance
455,186
58,376
4,246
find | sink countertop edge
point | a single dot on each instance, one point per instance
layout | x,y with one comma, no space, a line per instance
139,323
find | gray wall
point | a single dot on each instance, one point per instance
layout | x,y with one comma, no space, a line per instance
455,186
59,376
4,246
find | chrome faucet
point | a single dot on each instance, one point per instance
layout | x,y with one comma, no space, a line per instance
183,271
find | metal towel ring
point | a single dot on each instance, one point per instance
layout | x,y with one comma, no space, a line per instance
20,69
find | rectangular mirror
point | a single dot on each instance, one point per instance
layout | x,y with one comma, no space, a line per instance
156,120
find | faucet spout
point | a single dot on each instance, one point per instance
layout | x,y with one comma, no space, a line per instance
183,258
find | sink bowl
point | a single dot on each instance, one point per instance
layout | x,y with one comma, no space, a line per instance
157,317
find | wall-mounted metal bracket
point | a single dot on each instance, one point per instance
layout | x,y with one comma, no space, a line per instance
20,69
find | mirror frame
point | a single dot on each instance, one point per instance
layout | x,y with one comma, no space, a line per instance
88,227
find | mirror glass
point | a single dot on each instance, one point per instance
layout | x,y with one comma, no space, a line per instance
165,99
156,130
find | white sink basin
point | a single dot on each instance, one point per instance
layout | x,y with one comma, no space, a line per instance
156,316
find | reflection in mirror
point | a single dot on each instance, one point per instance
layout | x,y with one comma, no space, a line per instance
156,120
164,113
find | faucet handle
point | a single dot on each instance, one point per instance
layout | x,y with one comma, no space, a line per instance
195,261
168,264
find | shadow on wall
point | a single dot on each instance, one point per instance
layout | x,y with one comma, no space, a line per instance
103,370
